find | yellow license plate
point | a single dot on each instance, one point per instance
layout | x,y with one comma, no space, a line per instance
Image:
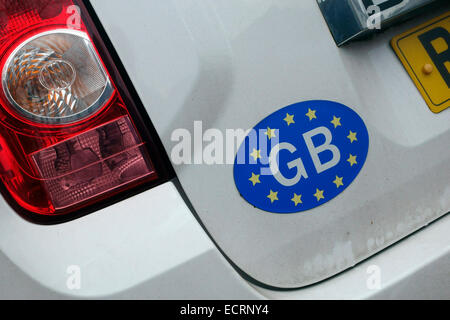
425,53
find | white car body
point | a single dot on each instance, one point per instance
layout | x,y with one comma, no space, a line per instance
230,63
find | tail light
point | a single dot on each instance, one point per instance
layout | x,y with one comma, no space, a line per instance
71,134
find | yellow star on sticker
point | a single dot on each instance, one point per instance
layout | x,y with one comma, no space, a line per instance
297,199
352,160
255,179
256,154
352,136
273,196
270,133
289,119
338,182
319,194
336,122
311,114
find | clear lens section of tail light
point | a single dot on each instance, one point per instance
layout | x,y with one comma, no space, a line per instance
72,136
92,163
56,77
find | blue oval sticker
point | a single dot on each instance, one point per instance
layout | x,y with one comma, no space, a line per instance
301,156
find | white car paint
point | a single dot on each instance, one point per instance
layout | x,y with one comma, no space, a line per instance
150,239
230,63
120,259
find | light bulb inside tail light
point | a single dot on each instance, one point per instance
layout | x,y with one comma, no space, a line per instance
71,134
56,77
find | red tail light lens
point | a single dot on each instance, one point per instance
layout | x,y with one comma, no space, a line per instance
71,134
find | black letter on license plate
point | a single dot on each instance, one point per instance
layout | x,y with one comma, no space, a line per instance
439,58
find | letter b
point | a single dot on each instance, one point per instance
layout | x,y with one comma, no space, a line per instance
326,146
441,58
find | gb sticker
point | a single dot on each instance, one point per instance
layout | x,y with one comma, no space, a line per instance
301,156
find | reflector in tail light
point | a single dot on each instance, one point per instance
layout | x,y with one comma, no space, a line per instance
71,134
56,77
